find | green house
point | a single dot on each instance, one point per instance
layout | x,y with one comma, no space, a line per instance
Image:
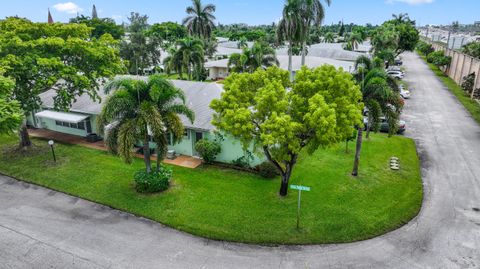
81,119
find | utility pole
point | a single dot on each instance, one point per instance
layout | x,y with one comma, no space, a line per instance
448,40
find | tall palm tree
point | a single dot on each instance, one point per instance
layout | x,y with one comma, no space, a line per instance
312,13
192,54
142,111
355,39
290,28
200,19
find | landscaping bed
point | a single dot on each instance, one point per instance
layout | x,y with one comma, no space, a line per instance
226,204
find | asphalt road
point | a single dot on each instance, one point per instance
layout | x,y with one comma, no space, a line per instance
40,228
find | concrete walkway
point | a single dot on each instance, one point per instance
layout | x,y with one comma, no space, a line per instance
40,228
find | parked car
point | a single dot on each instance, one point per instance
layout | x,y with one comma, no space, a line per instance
398,61
384,127
396,74
404,93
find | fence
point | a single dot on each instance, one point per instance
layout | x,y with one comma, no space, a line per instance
462,65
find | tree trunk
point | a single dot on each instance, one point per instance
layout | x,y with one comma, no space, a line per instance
146,154
304,52
284,186
24,137
358,150
290,61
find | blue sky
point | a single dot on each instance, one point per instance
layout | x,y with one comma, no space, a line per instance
250,11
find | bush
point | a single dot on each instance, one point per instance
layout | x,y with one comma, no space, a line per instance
267,170
468,83
425,48
439,59
154,181
208,149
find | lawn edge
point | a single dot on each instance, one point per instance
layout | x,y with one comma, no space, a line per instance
250,243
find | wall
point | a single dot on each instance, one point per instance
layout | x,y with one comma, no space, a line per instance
462,65
232,149
51,125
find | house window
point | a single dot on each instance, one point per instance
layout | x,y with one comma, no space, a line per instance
79,126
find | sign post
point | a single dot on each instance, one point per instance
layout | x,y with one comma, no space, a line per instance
300,189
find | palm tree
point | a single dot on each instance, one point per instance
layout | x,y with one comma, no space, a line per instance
329,38
312,13
200,19
174,62
191,52
379,98
290,29
142,111
260,55
354,39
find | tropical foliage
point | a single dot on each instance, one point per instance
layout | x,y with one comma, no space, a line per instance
260,55
11,115
200,21
140,50
439,58
168,33
280,119
101,26
63,57
142,111
472,49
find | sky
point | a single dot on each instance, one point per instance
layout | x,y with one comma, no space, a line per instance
252,12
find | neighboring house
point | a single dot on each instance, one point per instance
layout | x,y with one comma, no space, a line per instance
81,119
219,69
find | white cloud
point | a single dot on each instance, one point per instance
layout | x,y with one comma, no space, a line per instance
69,7
411,2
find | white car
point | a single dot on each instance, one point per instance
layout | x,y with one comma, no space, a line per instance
396,74
405,94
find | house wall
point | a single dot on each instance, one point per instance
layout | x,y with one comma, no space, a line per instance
218,73
51,125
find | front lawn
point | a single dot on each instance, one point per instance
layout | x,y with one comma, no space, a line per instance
226,204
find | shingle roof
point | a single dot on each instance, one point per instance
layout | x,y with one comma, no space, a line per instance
199,95
310,62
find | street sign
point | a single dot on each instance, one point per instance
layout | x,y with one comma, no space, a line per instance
300,188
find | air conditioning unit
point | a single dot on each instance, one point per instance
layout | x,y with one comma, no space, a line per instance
171,154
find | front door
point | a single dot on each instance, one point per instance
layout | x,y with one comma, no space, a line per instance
198,137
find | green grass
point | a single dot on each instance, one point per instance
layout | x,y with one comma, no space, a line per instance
471,105
226,204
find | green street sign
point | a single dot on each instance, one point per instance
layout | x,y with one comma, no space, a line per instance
300,188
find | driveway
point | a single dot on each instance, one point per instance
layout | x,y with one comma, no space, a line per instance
40,228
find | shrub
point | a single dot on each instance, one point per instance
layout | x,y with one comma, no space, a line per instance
208,149
439,59
468,83
425,48
244,161
267,170
154,181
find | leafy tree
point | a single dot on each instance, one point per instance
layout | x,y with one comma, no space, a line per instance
200,21
168,33
425,48
139,50
210,47
174,62
11,114
260,55
266,110
101,26
353,41
145,111
63,57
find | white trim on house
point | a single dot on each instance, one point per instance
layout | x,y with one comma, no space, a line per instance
61,116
